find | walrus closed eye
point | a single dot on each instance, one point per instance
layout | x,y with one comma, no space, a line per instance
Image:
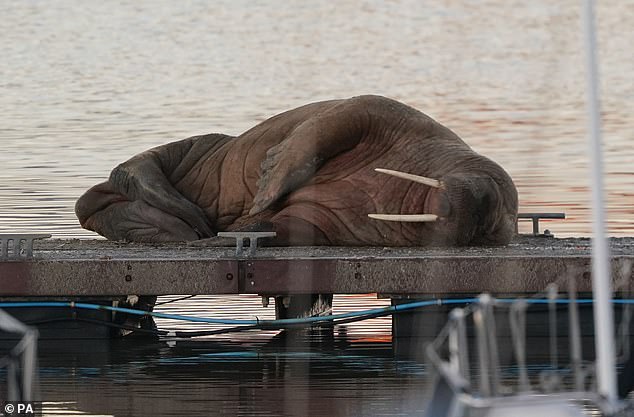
361,171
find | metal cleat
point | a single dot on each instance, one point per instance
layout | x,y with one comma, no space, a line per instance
251,236
18,246
535,219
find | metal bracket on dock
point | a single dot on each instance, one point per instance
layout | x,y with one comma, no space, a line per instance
251,236
535,218
18,246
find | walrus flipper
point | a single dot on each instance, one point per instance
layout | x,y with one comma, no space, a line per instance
112,215
145,177
293,161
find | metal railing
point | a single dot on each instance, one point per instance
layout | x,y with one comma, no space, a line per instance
461,387
21,361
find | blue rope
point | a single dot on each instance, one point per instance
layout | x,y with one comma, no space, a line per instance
306,320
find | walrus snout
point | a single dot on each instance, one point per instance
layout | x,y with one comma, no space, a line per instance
461,207
437,202
477,210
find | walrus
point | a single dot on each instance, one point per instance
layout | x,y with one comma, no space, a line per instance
362,171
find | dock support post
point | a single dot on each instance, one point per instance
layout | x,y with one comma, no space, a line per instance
413,330
302,305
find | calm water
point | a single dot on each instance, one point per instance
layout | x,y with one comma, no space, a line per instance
86,85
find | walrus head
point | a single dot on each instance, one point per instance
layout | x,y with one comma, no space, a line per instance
462,209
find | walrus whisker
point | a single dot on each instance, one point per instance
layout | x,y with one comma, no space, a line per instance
416,178
404,217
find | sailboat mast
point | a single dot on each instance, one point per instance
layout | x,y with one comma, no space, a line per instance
601,282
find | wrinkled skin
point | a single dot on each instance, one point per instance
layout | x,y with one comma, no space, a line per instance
308,174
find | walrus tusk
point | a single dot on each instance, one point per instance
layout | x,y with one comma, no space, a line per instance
416,178
405,217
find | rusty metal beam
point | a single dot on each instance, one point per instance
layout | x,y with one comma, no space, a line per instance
423,276
101,268
117,277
